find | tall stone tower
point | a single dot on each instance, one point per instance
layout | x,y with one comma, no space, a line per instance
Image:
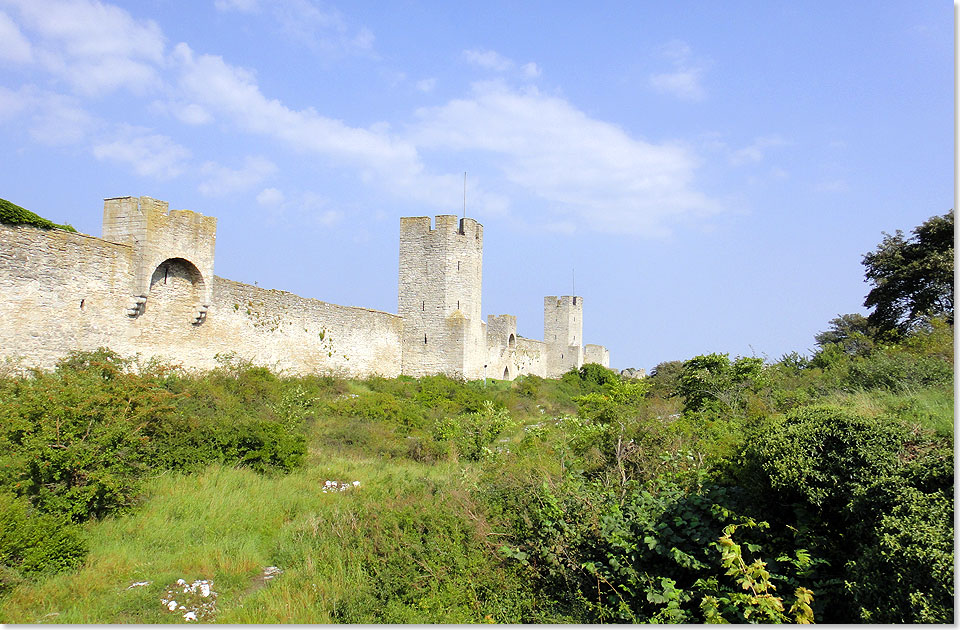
441,273
563,333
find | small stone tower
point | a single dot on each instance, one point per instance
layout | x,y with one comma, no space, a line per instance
441,273
169,247
563,333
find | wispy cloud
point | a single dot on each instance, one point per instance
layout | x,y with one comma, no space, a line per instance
220,181
494,61
271,198
320,28
426,85
147,153
684,81
14,46
242,6
756,150
589,168
588,173
93,47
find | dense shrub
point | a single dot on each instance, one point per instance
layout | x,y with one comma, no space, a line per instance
870,496
32,543
899,371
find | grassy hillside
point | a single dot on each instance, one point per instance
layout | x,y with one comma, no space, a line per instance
716,488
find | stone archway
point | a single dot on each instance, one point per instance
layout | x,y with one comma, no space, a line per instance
175,295
512,342
506,373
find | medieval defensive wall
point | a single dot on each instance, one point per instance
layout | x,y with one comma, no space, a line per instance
147,287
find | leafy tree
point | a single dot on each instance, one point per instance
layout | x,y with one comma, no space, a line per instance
912,277
713,377
852,332
663,378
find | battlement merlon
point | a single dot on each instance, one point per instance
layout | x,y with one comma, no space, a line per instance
563,300
126,219
444,224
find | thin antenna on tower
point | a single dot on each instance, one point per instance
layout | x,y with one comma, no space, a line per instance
573,271
464,194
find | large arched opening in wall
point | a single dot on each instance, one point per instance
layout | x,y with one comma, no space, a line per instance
512,342
176,290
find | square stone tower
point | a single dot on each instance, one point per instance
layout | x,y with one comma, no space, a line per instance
164,241
441,274
563,333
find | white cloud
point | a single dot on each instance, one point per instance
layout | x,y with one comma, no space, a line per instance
756,150
328,218
531,70
320,29
271,198
95,47
586,167
187,113
426,85
192,114
489,59
50,118
13,45
221,180
59,120
12,104
242,6
233,91
147,153
492,60
684,82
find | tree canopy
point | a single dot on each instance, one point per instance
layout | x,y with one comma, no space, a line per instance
912,277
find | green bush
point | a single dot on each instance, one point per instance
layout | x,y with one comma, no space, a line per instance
870,496
32,543
899,371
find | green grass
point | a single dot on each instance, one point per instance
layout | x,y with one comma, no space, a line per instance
419,541
346,556
932,407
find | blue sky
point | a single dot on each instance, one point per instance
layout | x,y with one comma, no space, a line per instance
711,173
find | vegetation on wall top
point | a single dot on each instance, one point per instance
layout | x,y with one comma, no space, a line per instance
12,214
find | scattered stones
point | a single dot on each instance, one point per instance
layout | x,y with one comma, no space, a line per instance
136,584
338,486
271,572
197,599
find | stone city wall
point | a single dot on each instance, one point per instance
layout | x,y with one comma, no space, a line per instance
61,291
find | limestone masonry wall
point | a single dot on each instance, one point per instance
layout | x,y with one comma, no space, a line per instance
148,288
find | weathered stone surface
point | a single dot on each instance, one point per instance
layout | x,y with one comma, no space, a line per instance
148,288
